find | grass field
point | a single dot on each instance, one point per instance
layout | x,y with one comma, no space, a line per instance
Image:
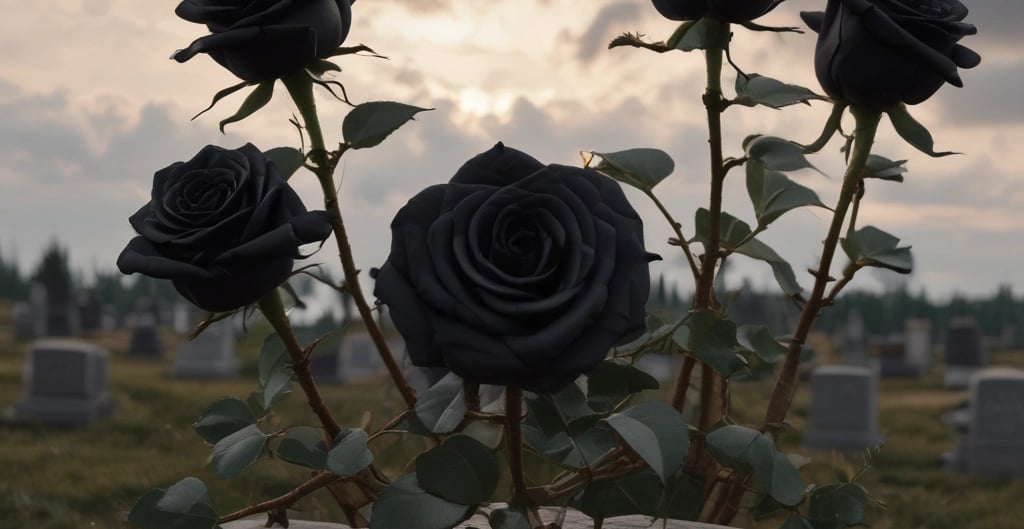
90,477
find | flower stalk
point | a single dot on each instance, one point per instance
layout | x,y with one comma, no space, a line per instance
300,87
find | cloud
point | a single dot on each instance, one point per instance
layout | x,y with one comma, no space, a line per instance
609,22
989,96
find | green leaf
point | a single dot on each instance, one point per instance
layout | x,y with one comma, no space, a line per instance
636,493
256,100
733,231
870,246
275,371
349,454
757,89
404,505
737,446
287,159
184,505
460,470
837,506
759,340
610,383
442,407
305,446
773,193
913,132
795,521
562,427
641,168
712,339
776,154
884,168
368,124
510,518
236,452
223,418
656,432
705,34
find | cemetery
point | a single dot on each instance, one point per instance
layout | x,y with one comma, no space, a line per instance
930,472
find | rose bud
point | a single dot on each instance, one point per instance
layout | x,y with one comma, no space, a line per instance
261,40
516,273
885,52
725,10
224,227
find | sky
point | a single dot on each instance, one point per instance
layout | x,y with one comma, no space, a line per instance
92,106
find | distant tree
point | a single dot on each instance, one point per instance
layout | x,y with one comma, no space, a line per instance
12,285
55,273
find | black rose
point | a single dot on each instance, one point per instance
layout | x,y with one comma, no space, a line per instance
724,10
223,226
516,273
266,39
883,52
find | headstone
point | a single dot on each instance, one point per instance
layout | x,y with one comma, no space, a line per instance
23,321
993,444
964,352
66,383
37,305
892,359
917,339
855,342
663,367
145,342
61,318
358,360
844,409
209,355
90,313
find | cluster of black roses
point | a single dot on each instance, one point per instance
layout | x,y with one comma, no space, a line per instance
514,272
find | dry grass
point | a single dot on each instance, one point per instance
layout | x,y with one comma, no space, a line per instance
90,477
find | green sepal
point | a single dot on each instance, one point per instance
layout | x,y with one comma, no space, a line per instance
222,94
256,100
913,132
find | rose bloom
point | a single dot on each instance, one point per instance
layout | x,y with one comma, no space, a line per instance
516,273
884,52
259,40
224,227
724,10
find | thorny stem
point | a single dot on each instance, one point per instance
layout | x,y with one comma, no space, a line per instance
273,310
301,89
514,430
787,381
317,482
683,383
677,228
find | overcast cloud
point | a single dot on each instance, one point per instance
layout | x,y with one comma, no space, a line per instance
89,117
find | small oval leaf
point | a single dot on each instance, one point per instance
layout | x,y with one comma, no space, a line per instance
368,124
236,452
641,168
223,418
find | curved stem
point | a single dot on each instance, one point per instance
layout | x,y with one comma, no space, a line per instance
273,309
315,483
787,381
300,87
677,228
514,431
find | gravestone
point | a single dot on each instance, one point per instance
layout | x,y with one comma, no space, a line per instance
992,440
209,355
892,360
964,352
663,367
37,306
855,342
917,339
844,409
66,382
358,360
90,313
23,321
145,342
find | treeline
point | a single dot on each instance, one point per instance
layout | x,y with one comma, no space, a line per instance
64,284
